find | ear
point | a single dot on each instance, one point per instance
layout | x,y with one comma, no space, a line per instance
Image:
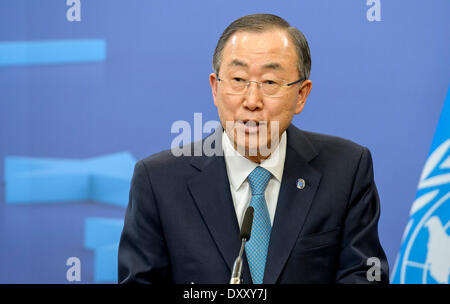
303,92
213,83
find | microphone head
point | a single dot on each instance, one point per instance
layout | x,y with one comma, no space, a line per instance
246,229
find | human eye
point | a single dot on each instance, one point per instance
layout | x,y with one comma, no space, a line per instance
271,82
238,79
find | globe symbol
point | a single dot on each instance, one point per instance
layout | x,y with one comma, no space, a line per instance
427,255
426,245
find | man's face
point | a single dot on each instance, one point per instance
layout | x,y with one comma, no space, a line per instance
263,57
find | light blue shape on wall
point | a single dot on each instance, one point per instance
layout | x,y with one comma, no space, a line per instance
104,179
19,53
103,235
105,270
100,232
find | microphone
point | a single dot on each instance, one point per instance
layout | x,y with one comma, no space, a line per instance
246,231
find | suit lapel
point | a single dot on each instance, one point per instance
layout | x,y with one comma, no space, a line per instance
293,203
210,189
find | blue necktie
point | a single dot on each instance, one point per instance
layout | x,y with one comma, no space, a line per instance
256,247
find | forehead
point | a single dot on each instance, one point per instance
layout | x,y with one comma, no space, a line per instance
260,50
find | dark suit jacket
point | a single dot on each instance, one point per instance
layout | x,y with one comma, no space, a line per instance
181,226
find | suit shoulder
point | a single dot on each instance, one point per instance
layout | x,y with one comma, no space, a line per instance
164,160
330,144
341,159
170,160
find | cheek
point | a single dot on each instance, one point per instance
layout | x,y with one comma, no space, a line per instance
282,113
228,105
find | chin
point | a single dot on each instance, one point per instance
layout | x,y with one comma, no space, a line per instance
251,146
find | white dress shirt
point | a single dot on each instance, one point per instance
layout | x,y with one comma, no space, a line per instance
238,169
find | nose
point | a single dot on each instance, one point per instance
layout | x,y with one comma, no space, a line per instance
253,98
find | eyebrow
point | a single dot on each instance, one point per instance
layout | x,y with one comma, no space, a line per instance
271,65
237,62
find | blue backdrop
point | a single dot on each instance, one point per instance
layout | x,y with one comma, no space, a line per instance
81,101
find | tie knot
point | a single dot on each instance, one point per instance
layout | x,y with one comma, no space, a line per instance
258,180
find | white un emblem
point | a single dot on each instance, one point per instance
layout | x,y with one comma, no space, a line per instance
425,252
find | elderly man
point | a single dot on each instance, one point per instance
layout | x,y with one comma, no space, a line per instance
314,197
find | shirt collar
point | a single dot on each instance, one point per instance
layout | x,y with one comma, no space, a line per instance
239,167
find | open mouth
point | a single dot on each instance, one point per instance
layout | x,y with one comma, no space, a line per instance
250,126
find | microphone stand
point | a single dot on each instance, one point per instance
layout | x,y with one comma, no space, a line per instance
236,277
246,230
